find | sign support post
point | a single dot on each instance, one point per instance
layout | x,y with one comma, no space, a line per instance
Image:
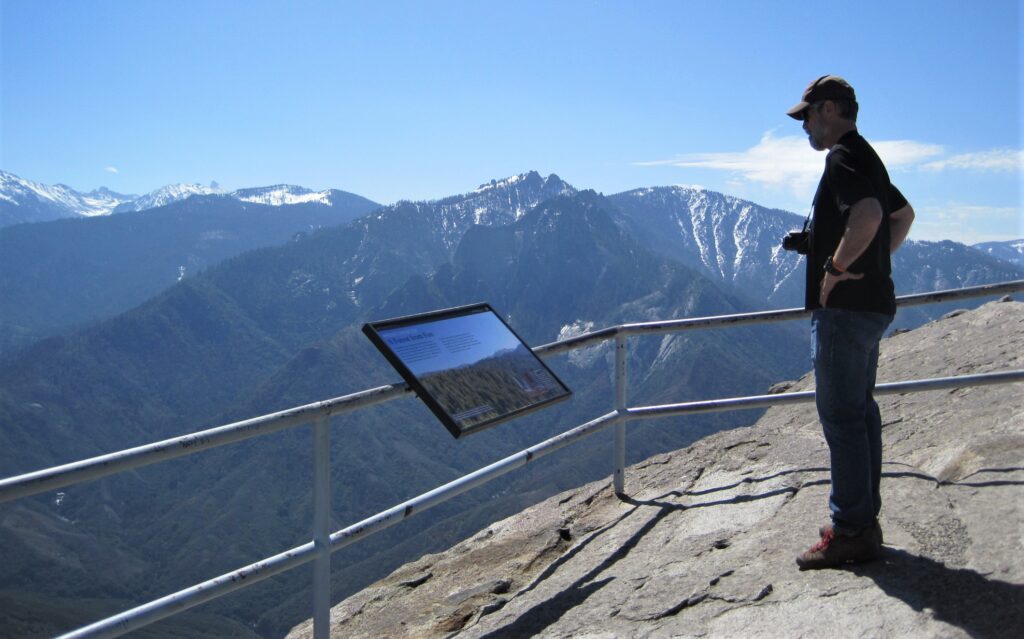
619,479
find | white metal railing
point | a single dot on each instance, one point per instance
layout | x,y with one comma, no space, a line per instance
324,542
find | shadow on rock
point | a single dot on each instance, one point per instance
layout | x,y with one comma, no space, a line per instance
754,480
982,607
971,484
547,612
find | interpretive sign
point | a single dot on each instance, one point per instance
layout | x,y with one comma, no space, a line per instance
467,365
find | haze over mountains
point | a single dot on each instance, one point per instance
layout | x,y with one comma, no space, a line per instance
110,344
67,273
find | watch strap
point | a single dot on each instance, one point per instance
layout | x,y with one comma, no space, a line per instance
830,267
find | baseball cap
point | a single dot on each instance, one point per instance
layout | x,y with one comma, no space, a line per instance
827,87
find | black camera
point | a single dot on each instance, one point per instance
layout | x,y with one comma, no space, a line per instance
796,241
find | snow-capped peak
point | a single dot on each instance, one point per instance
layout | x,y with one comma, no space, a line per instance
282,194
16,191
499,184
531,178
166,195
26,201
517,193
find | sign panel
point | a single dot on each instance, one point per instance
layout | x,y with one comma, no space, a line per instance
467,365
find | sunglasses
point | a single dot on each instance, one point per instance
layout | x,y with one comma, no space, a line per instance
813,106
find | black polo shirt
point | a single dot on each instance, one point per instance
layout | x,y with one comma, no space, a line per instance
853,171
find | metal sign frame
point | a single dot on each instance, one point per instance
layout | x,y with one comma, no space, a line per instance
467,365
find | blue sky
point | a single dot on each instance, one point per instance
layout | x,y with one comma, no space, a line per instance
419,100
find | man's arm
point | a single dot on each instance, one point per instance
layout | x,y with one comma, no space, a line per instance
899,226
861,227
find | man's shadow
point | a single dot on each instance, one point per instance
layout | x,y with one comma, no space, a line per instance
981,606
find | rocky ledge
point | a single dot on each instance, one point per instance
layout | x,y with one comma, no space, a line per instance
704,545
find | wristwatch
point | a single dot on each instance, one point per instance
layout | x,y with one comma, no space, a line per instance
830,267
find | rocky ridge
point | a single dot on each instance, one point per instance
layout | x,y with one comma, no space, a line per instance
704,544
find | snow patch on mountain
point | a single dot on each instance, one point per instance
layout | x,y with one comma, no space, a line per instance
497,203
501,184
670,345
733,240
166,195
28,201
518,194
282,195
62,199
1011,251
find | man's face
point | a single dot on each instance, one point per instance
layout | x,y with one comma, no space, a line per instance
814,126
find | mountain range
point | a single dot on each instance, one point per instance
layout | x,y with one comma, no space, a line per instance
65,274
273,324
58,275
23,201
1012,251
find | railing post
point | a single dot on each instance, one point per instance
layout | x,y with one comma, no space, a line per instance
321,529
619,479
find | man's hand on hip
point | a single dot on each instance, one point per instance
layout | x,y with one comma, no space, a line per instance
829,282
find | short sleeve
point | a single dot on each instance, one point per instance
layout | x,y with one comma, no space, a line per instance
849,183
896,199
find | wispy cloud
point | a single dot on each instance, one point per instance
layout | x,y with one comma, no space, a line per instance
961,212
996,160
777,161
969,223
905,154
791,162
111,169
786,161
788,164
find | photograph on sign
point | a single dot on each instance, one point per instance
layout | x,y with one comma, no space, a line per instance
467,365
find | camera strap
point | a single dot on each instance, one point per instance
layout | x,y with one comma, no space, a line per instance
807,220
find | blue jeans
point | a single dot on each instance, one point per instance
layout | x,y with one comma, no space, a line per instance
845,353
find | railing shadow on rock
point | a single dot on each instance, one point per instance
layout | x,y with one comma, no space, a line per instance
324,542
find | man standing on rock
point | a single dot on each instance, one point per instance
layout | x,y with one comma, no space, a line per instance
859,218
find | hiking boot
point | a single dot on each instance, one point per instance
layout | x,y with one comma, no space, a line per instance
835,549
878,531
